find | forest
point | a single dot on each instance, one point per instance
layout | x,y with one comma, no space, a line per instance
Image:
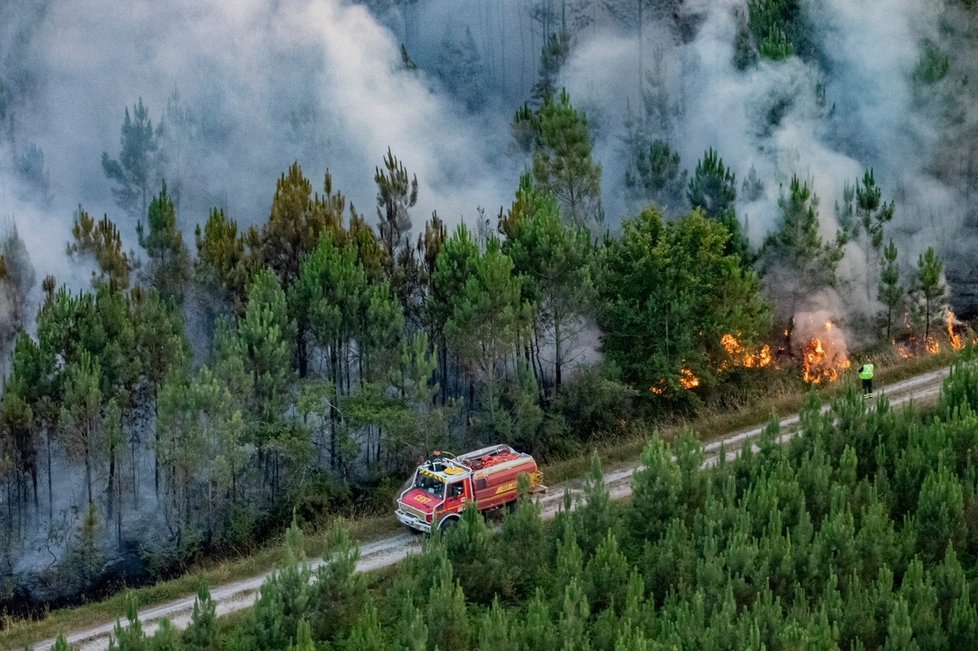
198,390
859,534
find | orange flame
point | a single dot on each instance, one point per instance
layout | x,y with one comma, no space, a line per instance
956,342
822,363
687,380
743,357
933,346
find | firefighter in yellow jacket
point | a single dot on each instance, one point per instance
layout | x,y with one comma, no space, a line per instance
866,375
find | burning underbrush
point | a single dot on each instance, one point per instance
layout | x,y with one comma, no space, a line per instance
817,341
744,357
954,335
821,346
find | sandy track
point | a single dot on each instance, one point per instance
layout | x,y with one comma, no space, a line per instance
238,595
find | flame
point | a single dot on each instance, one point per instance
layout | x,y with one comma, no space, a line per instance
687,380
822,360
743,357
933,346
904,352
956,342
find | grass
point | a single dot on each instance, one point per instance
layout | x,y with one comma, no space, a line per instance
782,397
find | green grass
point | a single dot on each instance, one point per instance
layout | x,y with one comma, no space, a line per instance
783,396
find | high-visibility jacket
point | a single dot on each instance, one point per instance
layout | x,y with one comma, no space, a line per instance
866,372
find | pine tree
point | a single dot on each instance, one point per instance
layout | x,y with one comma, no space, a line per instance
596,516
563,162
940,514
890,293
367,634
929,290
169,260
303,638
222,259
496,633
572,621
339,585
130,637
201,633
101,240
448,622
899,630
605,574
140,161
962,623
794,260
166,638
539,631
556,261
412,632
713,189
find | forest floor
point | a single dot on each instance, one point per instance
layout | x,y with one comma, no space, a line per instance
387,550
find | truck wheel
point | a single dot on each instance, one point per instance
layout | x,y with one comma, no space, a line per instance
448,523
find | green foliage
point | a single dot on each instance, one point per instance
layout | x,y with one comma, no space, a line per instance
284,600
367,634
266,337
777,27
556,263
412,632
489,315
933,64
853,535
222,261
469,547
563,163
339,585
655,173
660,320
169,260
101,240
129,637
201,633
794,261
140,161
928,291
891,293
166,638
553,55
713,187
448,622
296,222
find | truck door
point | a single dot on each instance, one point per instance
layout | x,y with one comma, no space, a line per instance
455,497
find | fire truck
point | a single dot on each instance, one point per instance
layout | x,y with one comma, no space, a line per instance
444,484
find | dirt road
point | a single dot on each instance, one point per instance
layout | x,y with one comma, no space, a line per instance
231,597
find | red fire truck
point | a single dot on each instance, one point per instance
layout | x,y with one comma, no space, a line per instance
443,484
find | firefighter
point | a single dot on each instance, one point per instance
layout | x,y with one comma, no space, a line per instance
866,375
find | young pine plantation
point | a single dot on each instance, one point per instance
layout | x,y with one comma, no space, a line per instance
860,534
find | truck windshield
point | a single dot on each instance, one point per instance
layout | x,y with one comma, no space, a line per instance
430,484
